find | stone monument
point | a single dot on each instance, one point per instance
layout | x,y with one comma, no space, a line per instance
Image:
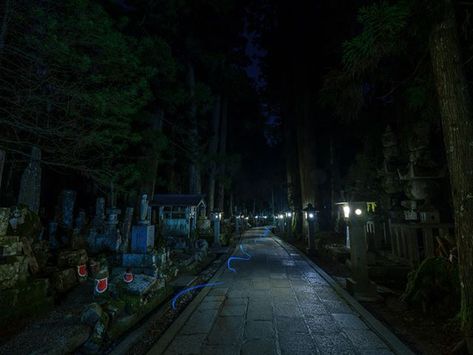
142,257
359,285
30,185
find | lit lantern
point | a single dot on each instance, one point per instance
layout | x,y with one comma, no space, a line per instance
346,211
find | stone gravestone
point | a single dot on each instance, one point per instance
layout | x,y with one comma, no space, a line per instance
99,218
112,233
142,235
52,231
67,202
142,258
81,220
126,228
30,186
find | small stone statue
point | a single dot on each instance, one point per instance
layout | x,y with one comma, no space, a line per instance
144,208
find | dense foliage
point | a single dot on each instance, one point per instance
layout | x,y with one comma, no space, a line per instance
102,87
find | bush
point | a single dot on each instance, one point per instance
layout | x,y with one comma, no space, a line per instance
434,286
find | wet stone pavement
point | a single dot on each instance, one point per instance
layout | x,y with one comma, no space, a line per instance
275,303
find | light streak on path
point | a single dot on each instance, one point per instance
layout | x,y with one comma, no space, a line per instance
244,252
230,259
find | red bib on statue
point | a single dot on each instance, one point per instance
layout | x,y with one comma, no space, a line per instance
82,270
101,285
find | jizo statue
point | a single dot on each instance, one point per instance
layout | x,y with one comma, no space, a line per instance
144,208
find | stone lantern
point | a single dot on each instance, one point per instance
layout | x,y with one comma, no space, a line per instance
359,284
216,219
346,211
310,215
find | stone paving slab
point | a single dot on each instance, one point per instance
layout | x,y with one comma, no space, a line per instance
275,303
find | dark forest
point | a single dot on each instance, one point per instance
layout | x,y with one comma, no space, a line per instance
236,177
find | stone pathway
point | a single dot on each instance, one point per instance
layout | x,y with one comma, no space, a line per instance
275,303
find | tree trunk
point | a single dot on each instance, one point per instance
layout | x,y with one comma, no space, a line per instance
3,29
157,125
194,169
306,150
149,181
334,183
455,112
2,164
213,147
223,149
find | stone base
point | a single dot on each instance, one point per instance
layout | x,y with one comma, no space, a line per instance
362,293
100,241
139,260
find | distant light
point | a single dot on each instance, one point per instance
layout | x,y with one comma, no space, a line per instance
289,214
281,216
311,215
247,218
358,212
257,217
346,211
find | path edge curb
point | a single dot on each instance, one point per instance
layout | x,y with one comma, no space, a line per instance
165,340
391,340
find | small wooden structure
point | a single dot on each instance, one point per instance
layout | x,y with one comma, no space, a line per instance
178,214
416,241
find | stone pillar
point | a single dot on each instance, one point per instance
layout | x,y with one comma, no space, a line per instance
311,222
81,220
52,231
359,285
30,185
111,229
237,224
126,228
216,226
311,217
67,202
99,218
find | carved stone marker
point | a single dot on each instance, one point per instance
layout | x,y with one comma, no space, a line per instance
126,228
30,186
99,218
67,202
144,210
